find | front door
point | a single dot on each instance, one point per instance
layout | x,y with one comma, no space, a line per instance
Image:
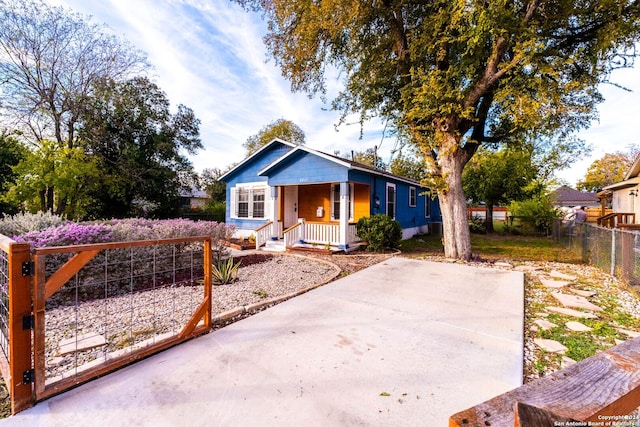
290,205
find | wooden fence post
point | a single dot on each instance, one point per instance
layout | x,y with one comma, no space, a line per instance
20,387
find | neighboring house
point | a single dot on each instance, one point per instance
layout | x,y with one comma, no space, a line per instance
624,194
565,196
293,194
193,199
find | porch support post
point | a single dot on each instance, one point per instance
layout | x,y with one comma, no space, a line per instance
273,214
344,215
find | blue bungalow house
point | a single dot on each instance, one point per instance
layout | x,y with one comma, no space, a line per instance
286,195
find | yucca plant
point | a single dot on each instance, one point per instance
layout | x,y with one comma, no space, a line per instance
225,271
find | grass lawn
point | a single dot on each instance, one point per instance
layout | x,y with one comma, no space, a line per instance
498,246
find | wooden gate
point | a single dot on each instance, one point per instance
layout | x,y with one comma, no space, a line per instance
99,307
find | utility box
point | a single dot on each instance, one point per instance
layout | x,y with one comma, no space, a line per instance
320,212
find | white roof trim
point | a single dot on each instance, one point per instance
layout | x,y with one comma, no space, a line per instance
308,150
623,184
345,163
263,148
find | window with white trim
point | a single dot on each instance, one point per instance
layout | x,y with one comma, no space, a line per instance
335,202
412,197
242,195
249,201
391,200
427,205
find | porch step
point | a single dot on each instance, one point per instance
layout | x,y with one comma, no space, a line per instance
274,246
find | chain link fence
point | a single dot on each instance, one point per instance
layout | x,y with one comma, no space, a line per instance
612,250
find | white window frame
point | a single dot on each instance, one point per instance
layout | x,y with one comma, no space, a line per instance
427,205
335,214
392,202
252,190
413,197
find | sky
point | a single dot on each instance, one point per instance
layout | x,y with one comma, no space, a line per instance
209,56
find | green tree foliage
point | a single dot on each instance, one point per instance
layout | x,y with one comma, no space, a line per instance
281,128
408,166
536,213
73,173
609,169
11,153
216,189
499,177
139,143
369,157
454,75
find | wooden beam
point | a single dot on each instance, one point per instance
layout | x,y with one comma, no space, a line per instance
66,272
607,384
527,416
19,339
195,319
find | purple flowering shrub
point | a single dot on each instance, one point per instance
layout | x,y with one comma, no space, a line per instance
67,234
123,270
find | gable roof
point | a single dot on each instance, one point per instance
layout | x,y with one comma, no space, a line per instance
297,149
634,170
349,164
254,155
567,196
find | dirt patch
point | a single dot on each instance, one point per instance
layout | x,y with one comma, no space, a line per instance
252,259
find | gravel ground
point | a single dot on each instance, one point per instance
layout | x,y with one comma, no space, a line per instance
120,322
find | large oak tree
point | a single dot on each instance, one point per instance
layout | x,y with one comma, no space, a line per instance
455,74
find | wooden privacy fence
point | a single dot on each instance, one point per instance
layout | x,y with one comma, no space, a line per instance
99,307
603,390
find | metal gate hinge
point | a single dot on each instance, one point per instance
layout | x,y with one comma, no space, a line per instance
27,268
28,376
28,322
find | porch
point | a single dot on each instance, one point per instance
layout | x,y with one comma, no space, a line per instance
306,234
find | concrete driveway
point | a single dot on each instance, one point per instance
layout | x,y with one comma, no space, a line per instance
402,343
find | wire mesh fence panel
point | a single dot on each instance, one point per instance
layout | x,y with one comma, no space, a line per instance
598,247
121,301
612,250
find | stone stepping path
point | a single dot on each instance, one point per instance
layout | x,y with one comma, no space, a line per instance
559,275
575,301
571,312
586,294
551,346
553,283
545,325
81,342
630,334
577,327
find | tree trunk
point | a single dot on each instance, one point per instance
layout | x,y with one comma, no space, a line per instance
488,224
453,204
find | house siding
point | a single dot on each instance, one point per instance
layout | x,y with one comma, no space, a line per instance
305,168
249,173
314,174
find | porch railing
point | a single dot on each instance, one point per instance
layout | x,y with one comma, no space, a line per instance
263,234
615,219
268,231
293,234
352,234
319,232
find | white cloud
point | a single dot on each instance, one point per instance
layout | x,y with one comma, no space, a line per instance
209,56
